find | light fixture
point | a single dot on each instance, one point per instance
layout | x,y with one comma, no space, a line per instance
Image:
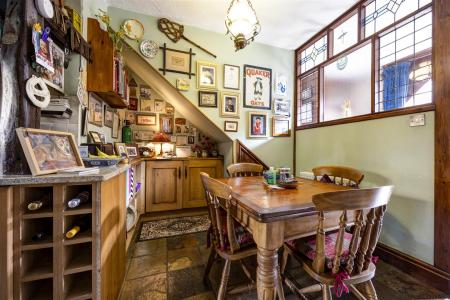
242,23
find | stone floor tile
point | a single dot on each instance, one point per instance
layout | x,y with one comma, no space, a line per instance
147,265
150,288
151,247
186,283
183,258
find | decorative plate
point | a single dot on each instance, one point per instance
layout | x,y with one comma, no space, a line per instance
133,29
149,48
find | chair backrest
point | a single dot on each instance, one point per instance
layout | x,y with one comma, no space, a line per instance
216,190
368,206
340,175
244,170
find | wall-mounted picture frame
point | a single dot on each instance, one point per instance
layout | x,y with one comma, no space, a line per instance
282,107
43,52
121,149
147,105
170,109
55,79
281,84
177,61
145,92
258,124
231,77
183,84
207,99
109,117
160,106
130,116
95,111
206,75
116,126
132,151
95,137
147,119
281,127
230,126
257,87
229,105
191,140
49,151
133,104
166,124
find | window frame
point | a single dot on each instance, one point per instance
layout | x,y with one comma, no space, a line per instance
374,39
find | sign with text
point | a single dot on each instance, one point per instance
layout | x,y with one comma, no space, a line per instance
257,87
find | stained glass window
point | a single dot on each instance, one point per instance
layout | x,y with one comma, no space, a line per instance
307,99
345,35
314,54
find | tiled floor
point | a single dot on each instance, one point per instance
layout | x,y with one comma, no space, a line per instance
172,268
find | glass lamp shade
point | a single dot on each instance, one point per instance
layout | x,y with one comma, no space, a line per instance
242,23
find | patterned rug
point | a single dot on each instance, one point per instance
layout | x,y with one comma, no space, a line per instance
171,227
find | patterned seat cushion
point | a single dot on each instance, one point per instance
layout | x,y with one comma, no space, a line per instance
243,237
307,247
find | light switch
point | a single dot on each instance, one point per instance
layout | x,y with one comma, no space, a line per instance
417,120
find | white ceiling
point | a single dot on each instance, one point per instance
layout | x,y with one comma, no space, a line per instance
285,23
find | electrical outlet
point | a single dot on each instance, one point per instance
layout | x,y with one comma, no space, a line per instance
417,120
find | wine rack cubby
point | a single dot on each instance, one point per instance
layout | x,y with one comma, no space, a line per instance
37,290
78,286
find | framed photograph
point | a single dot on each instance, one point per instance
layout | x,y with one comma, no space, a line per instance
130,117
84,151
95,137
159,106
149,119
143,135
282,107
43,52
170,110
183,84
229,105
191,140
95,111
109,116
147,105
55,79
257,87
206,75
145,92
231,77
257,124
207,99
231,126
132,151
166,124
102,137
49,151
281,84
116,126
132,104
121,149
280,127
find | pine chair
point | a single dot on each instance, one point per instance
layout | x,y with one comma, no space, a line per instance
340,259
245,170
339,175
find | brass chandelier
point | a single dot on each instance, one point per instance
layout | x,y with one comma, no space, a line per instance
242,23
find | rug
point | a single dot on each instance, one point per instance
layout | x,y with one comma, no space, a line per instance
172,227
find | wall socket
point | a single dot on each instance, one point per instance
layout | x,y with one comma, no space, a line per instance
417,120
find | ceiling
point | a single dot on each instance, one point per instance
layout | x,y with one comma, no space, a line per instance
285,23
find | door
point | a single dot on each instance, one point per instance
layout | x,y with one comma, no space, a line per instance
194,193
164,185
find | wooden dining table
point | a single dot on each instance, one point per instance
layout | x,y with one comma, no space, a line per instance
274,216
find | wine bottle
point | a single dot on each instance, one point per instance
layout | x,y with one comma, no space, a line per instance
79,199
37,204
38,236
80,226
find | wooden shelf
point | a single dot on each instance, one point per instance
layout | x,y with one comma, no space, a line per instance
37,290
46,212
79,286
37,273
80,238
37,264
78,258
83,209
45,243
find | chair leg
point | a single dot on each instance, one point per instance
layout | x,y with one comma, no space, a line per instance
369,290
280,291
326,292
284,260
211,258
223,283
246,271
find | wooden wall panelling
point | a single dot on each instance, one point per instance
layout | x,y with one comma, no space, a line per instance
6,245
243,154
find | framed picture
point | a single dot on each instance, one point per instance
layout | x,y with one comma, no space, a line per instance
177,61
55,79
95,111
257,87
159,106
282,107
230,126
132,151
206,75
145,92
109,116
43,52
166,124
149,119
257,124
229,105
143,135
170,110
280,127
133,88
191,140
281,85
147,105
207,99
130,117
183,84
132,104
102,138
49,151
231,77
84,151
121,149
180,121
116,126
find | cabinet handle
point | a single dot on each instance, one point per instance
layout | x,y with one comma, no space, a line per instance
179,172
185,172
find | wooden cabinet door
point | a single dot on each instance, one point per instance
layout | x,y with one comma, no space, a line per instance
164,185
194,194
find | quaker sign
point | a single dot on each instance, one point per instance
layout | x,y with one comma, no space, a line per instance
257,87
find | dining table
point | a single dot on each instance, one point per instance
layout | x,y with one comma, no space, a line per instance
274,216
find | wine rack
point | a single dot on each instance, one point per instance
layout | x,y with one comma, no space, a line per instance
53,266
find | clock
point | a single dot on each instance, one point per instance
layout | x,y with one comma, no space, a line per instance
45,8
149,48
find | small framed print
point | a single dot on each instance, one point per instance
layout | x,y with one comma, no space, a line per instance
206,75
281,84
159,106
84,151
282,107
207,99
170,110
191,140
231,77
231,126
133,104
55,79
145,92
166,124
229,105
130,116
147,105
109,115
132,151
280,127
120,149
183,84
95,137
257,124
95,111
116,126
149,119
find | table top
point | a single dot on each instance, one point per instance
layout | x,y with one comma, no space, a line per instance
272,205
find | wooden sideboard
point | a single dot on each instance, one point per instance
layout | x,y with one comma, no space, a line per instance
175,184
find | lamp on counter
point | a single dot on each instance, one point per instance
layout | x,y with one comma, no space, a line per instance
164,142
242,23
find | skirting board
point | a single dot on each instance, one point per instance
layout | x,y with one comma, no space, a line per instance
414,267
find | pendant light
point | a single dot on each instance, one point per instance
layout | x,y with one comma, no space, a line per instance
242,23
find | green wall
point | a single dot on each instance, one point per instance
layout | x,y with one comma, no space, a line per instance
388,151
273,151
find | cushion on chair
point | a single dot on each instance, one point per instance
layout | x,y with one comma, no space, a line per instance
243,237
307,247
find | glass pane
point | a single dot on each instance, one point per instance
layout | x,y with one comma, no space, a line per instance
347,85
314,54
345,35
307,99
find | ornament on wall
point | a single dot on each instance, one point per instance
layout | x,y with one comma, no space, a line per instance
45,8
38,92
133,29
149,49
